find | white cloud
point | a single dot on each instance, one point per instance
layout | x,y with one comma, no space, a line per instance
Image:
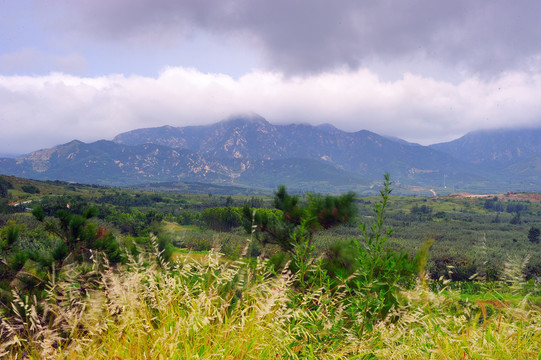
37,112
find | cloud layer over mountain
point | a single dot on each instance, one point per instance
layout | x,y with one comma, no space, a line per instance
426,71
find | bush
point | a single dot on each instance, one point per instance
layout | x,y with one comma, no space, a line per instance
221,219
4,187
164,245
297,219
533,234
370,273
340,259
10,233
107,243
453,268
196,241
188,218
30,189
17,260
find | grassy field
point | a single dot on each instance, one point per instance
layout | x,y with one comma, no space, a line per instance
176,289
208,309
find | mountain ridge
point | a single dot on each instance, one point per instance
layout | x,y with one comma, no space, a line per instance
258,139
249,151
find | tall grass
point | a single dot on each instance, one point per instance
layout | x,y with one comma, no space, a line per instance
214,309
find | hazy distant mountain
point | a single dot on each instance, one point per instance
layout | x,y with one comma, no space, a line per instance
494,147
360,152
106,162
249,151
109,163
508,155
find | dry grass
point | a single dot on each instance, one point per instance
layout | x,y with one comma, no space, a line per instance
209,309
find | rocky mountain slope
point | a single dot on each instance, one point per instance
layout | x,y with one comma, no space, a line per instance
361,152
249,151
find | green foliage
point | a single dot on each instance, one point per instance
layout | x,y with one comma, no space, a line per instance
340,259
196,241
277,261
456,268
493,204
38,213
5,185
126,200
533,234
302,260
255,202
381,271
52,204
423,209
10,233
3,191
516,219
30,189
341,299
516,207
90,212
330,210
136,223
165,246
17,259
297,219
107,243
370,273
222,219
78,234
188,218
60,251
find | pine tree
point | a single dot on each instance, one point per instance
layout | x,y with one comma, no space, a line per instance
317,213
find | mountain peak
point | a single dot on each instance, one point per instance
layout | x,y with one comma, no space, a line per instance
327,127
246,149
248,118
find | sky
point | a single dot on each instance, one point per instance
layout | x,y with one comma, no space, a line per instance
426,71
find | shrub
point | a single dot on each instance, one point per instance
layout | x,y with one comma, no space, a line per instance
196,241
298,219
4,187
30,189
340,259
533,234
165,246
381,270
221,219
17,259
10,233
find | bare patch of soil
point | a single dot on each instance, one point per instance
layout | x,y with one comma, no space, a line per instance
532,197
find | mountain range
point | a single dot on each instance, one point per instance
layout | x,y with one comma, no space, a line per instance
251,152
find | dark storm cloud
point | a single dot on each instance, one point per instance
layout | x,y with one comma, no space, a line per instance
311,36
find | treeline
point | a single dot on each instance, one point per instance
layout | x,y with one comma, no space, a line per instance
510,207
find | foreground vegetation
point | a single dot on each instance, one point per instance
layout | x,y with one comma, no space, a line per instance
132,275
213,310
